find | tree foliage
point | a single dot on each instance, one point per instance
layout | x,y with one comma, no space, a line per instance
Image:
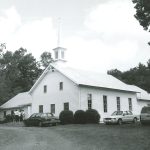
142,12
139,76
46,59
18,72
2,46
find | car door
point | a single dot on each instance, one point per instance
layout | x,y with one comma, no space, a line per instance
50,117
31,119
37,119
130,116
125,116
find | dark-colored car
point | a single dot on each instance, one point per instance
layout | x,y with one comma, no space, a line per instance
145,115
41,119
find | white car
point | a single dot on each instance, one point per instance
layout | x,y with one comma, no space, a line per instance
119,117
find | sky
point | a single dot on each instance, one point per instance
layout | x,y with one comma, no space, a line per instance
99,34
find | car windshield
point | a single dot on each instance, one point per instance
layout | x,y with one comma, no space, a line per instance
43,115
117,113
146,110
130,113
38,115
33,115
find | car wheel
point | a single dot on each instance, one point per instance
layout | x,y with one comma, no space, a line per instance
135,120
119,121
40,124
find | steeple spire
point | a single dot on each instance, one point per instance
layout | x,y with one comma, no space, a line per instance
59,52
59,25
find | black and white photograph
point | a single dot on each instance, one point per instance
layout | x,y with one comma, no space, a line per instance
74,74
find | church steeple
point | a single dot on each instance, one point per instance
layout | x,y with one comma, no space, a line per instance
59,54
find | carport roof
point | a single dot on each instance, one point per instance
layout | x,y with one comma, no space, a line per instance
20,100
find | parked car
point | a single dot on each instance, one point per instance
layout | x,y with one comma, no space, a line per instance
119,117
41,119
145,115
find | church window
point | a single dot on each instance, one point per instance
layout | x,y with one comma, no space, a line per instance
61,86
53,108
130,104
105,103
62,54
45,88
118,103
56,55
40,108
66,106
89,98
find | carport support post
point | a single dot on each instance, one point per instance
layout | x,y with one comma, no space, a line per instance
29,112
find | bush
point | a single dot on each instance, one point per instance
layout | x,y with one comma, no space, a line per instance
66,117
92,116
80,117
9,118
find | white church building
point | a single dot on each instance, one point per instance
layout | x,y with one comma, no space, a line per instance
61,87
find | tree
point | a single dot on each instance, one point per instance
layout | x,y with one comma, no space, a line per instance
148,64
143,13
115,72
139,76
18,72
2,46
46,59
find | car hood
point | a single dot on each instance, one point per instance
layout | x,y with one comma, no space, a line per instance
116,116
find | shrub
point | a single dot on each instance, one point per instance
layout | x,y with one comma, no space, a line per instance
92,116
9,118
66,117
80,117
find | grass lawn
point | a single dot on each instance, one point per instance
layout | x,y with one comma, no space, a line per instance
75,137
106,137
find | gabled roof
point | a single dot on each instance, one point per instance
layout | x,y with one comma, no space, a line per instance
86,78
95,79
19,100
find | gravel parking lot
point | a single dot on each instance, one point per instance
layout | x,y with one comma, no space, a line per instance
75,137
